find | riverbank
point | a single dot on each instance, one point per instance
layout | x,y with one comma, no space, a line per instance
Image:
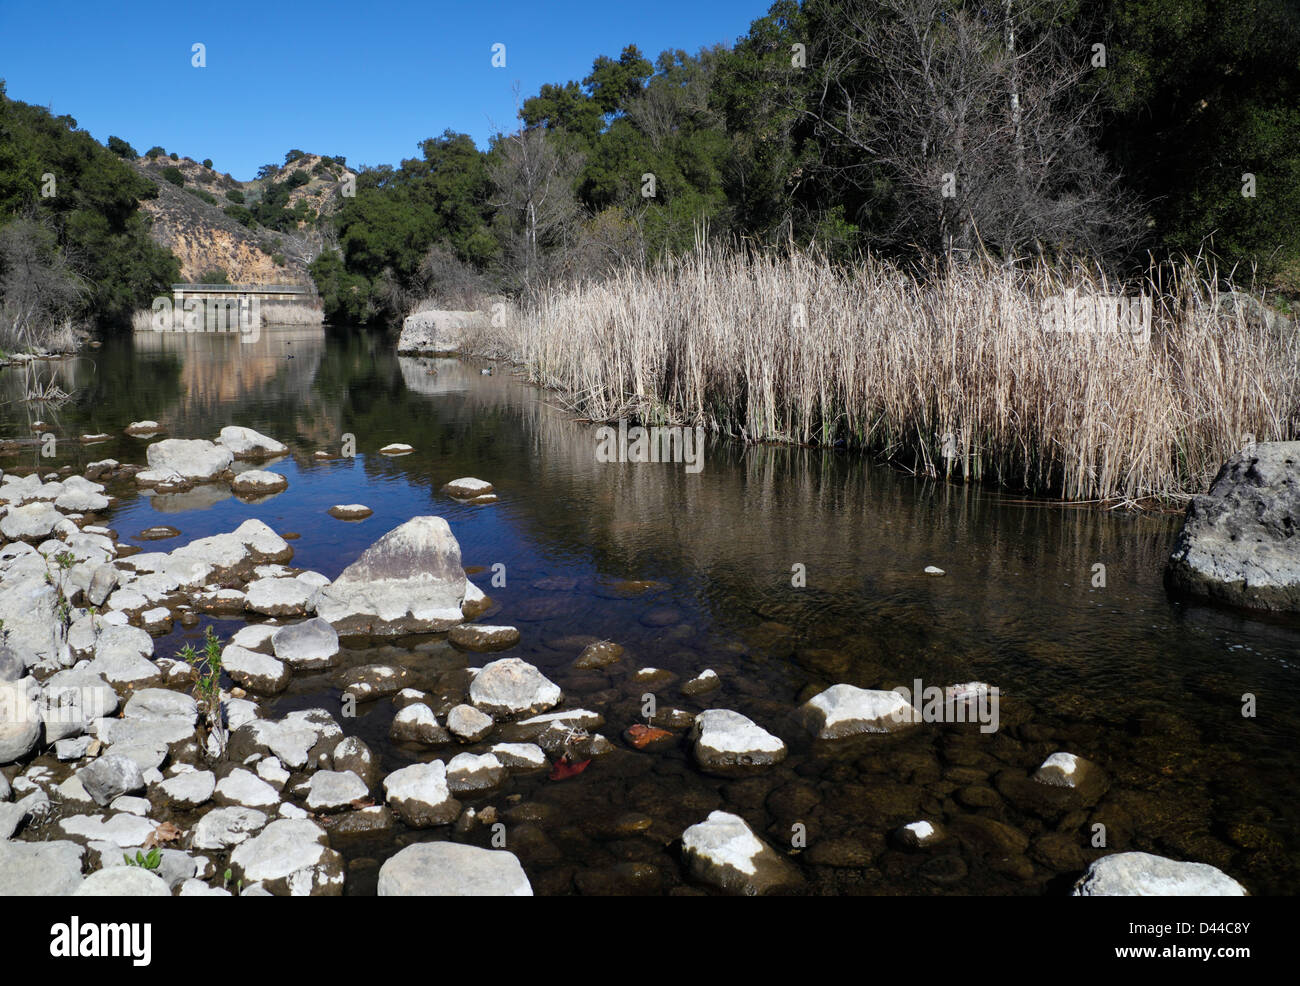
1051,382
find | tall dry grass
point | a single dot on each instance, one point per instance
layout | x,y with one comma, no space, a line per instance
950,371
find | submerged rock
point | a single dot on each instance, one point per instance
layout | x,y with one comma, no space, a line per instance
601,654
350,511
724,852
1140,874
259,482
467,488
451,869
473,637
1240,542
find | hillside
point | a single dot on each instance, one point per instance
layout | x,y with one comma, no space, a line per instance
258,232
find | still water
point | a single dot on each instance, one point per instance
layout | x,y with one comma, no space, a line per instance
1146,686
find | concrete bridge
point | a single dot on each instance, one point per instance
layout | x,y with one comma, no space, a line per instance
242,294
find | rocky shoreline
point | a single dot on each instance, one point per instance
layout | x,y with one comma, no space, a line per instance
106,753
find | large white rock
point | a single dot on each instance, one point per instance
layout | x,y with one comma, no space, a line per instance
727,741
257,672
122,656
39,869
844,710
451,869
20,721
245,443
409,581
280,597
190,789
290,857
259,482
421,796
123,881
122,829
243,787
214,558
307,646
724,852
511,686
334,790
109,776
291,739
161,703
31,522
177,461
224,828
440,332
1238,542
1141,874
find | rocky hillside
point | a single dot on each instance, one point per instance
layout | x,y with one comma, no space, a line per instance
265,231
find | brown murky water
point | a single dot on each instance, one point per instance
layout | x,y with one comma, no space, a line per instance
1148,687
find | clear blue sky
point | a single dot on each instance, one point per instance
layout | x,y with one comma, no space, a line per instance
367,80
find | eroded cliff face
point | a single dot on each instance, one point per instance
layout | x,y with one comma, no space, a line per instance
206,243
205,239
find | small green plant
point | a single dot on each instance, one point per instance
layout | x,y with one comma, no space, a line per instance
207,690
146,862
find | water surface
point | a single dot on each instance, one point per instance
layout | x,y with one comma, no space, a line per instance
1148,687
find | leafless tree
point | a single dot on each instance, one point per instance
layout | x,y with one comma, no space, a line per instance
39,289
533,178
982,120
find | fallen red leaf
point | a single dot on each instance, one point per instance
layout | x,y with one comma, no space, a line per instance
564,768
641,736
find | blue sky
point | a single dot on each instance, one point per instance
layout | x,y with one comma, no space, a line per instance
366,80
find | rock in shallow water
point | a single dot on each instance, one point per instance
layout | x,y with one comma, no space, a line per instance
420,795
1140,874
409,581
511,686
724,852
727,741
843,710
1240,542
473,637
308,646
450,869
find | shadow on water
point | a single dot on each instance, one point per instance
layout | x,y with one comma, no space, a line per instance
1149,687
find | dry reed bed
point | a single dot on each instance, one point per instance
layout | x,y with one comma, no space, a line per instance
951,372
